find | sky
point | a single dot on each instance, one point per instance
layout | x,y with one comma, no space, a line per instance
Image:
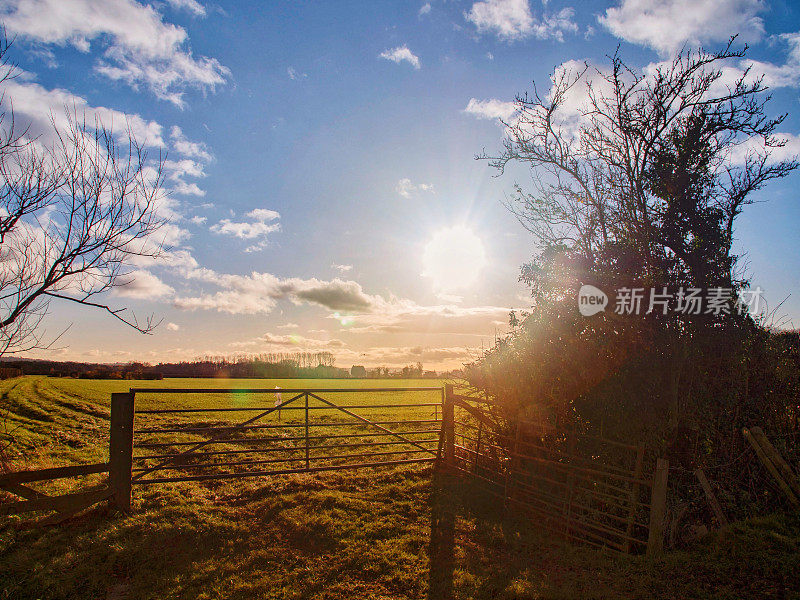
319,158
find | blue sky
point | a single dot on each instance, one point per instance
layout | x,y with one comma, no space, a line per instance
316,149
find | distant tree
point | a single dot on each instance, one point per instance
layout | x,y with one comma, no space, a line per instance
74,212
358,371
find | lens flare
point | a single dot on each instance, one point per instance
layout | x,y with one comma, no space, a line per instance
344,320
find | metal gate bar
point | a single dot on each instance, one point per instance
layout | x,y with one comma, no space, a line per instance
223,435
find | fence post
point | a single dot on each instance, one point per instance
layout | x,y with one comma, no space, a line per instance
712,499
308,460
448,427
477,448
774,462
120,454
633,498
658,507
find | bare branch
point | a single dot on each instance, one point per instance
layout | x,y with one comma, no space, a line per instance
73,214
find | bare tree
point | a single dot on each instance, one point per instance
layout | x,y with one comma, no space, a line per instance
76,207
642,153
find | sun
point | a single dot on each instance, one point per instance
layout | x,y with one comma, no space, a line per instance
454,259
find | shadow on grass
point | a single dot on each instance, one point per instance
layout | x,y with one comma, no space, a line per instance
382,535
442,544
475,550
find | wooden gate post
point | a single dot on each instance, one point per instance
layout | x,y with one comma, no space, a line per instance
308,460
633,498
448,427
658,507
120,454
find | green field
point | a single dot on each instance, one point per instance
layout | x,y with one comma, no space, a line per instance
37,409
368,533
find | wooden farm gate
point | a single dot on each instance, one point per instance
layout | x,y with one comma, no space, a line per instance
584,488
268,431
587,489
235,433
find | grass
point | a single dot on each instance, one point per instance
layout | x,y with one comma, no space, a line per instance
352,534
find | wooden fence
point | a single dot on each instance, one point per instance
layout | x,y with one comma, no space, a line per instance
584,488
64,505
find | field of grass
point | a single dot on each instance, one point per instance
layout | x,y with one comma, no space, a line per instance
378,533
37,409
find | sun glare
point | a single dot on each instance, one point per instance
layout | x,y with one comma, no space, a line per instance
454,259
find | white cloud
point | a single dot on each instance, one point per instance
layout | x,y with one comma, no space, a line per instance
512,20
289,326
245,230
405,316
425,9
192,6
173,326
188,189
440,357
570,114
198,220
186,167
258,293
186,148
259,227
228,302
667,25
179,260
351,307
509,19
355,310
342,268
296,75
139,47
406,188
400,54
754,146
785,75
142,285
191,165
555,25
36,109
276,343
36,106
264,214
491,109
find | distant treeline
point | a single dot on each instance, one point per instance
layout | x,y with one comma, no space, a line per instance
272,365
268,366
